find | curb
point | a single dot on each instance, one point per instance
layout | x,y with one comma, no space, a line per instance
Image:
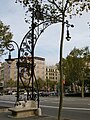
4,109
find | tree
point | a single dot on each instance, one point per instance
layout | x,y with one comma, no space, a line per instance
5,36
86,69
40,83
73,66
76,67
62,8
11,83
50,85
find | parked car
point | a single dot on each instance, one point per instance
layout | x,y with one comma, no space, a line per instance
53,93
1,93
44,94
14,93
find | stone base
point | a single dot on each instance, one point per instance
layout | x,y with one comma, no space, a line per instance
25,110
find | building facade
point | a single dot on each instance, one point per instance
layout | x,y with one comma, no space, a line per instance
52,73
9,71
1,76
40,68
43,72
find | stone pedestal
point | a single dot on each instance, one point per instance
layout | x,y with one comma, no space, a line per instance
25,109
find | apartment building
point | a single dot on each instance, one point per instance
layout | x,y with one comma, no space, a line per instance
1,76
1,71
52,73
40,67
10,70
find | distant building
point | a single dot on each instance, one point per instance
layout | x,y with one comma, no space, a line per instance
1,76
9,71
52,73
40,68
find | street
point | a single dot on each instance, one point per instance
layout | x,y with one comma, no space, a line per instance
73,108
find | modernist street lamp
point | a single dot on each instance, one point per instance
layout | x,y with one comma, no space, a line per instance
25,63
40,20
68,34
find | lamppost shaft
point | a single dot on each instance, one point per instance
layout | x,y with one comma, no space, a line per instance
32,53
18,75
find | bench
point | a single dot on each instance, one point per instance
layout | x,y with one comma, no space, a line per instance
25,109
23,112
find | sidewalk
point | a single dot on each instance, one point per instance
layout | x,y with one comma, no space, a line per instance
5,115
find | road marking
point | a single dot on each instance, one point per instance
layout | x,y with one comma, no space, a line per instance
55,102
67,108
48,106
7,102
84,109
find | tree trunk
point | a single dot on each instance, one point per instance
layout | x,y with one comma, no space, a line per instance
82,88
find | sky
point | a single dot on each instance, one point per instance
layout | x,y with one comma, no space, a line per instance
48,44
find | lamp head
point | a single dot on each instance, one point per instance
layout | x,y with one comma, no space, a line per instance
9,60
68,36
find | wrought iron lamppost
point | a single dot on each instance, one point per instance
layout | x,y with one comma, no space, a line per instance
25,63
40,20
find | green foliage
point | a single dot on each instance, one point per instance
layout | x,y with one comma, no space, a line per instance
45,84
5,36
55,7
78,6
76,65
40,83
50,85
11,83
43,11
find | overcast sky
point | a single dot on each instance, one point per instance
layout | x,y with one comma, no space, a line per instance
48,44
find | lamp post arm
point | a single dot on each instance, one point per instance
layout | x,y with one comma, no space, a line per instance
17,71
10,47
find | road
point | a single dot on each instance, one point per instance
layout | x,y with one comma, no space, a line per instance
73,108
